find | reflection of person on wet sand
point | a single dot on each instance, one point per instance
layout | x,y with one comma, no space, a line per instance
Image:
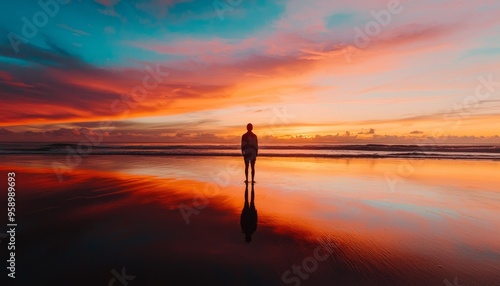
248,219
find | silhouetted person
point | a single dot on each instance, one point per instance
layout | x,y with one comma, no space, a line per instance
248,219
249,149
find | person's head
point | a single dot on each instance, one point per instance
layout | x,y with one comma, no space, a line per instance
249,127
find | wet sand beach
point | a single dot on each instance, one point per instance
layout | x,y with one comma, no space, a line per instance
321,221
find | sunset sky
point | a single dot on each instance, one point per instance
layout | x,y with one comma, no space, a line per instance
318,71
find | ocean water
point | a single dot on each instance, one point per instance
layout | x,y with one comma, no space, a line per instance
303,150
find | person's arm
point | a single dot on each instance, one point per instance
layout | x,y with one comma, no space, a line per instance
242,144
256,146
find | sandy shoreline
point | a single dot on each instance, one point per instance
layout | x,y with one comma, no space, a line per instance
113,212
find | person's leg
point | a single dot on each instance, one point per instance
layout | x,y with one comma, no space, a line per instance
253,170
246,171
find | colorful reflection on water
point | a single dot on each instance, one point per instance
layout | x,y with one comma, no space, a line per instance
384,222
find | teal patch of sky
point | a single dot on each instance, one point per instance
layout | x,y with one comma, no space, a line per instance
12,20
99,48
340,20
13,62
50,30
483,52
238,23
13,25
202,23
488,45
96,46
103,49
106,43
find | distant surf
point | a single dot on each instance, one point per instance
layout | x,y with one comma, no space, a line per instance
311,150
